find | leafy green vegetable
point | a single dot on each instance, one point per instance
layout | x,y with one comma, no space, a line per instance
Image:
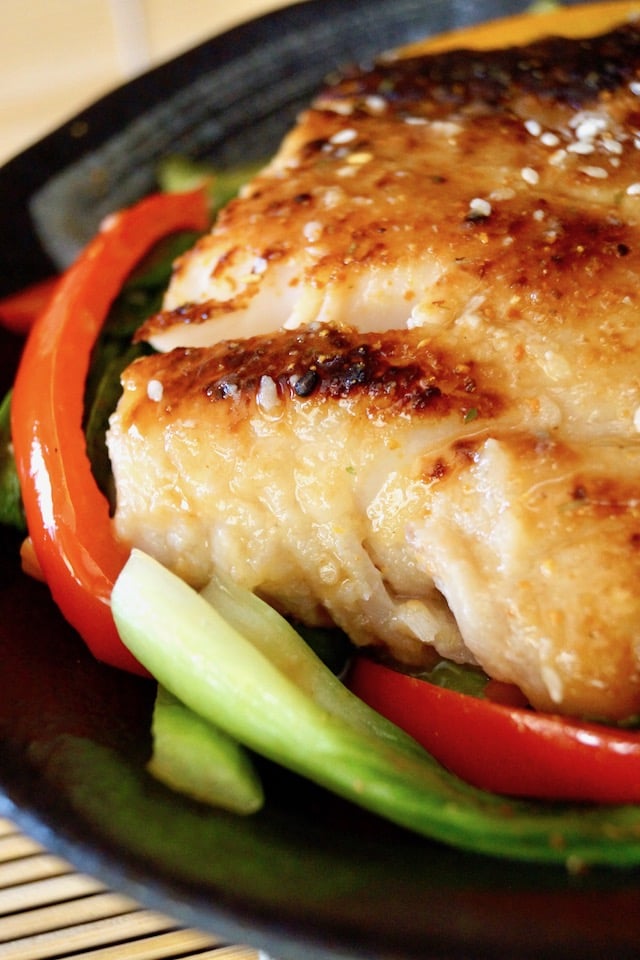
461,677
254,694
11,512
178,173
140,298
196,758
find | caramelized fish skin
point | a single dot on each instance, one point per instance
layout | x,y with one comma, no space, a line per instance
355,478
410,190
400,389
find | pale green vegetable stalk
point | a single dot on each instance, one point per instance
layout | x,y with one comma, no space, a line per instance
221,675
274,636
199,760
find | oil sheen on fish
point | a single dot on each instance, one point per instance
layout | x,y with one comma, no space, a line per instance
398,385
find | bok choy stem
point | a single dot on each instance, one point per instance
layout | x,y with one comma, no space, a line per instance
221,675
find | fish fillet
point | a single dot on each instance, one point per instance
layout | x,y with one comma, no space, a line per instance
398,386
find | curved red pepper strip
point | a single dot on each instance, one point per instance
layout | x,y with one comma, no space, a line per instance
509,750
67,515
19,311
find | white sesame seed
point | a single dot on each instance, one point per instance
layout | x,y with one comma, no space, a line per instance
549,139
583,147
346,135
633,190
446,128
375,104
538,215
502,193
590,128
636,419
533,127
343,107
333,197
416,121
360,158
612,145
596,173
634,87
155,390
260,265
480,206
312,230
558,158
529,175
267,397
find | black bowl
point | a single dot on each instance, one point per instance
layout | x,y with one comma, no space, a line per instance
310,876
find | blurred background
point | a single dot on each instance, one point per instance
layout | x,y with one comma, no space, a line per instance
56,56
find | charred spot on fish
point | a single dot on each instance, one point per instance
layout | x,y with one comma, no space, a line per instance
571,71
306,383
389,373
222,389
439,470
355,374
426,397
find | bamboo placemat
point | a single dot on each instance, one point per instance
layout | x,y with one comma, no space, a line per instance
48,910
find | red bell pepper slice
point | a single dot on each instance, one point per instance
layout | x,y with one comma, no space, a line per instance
503,749
19,311
67,515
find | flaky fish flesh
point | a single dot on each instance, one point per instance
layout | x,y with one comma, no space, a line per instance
398,384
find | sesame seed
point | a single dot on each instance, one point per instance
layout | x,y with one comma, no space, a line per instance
538,215
612,145
375,104
636,419
634,87
549,139
346,135
267,397
333,197
416,121
633,190
480,207
590,128
359,159
260,265
502,193
312,230
529,175
582,147
155,390
597,173
557,159
533,127
343,107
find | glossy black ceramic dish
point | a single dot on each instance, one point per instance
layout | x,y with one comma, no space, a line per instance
310,876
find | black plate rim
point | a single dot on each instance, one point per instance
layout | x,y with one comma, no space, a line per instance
53,828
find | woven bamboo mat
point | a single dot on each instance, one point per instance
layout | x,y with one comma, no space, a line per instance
48,910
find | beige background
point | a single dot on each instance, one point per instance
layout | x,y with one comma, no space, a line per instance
58,55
